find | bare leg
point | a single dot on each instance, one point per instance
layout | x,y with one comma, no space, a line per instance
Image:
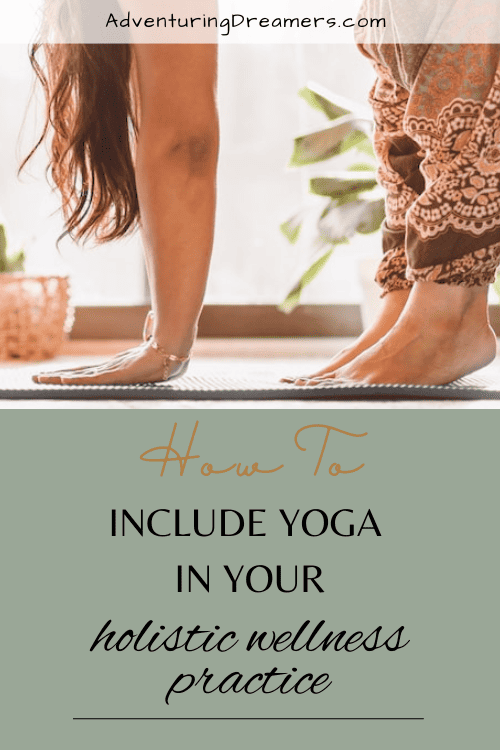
442,334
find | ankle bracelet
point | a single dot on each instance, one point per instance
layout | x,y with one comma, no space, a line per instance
168,359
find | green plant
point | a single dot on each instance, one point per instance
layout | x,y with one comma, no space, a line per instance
496,286
13,263
352,201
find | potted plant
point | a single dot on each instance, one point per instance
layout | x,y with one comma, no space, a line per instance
34,310
349,200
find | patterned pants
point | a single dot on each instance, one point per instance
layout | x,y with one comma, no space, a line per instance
437,140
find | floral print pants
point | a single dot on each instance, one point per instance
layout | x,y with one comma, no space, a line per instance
437,140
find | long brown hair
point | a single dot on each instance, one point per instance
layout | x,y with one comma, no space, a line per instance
91,126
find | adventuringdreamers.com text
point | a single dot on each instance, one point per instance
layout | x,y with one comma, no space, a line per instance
239,21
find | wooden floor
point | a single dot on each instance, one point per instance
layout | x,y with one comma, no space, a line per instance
241,356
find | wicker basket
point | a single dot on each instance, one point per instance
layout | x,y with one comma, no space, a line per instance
35,315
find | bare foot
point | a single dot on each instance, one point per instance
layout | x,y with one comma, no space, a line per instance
442,335
392,307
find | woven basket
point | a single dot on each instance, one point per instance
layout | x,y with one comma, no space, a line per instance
35,315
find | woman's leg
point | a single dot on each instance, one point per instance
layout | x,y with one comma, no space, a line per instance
399,159
453,227
175,172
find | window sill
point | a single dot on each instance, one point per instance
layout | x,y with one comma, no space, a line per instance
247,348
234,321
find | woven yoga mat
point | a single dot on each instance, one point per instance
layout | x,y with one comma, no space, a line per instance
16,384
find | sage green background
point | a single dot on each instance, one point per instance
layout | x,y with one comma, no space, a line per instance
431,480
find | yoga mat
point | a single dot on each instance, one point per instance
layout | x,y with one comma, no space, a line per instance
16,384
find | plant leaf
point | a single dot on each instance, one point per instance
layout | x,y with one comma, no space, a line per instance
366,147
361,168
292,227
3,249
496,286
317,101
373,216
347,133
332,105
342,222
15,263
339,185
293,297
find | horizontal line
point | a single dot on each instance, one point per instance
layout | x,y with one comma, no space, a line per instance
246,718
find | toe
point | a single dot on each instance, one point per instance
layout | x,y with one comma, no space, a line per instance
334,380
